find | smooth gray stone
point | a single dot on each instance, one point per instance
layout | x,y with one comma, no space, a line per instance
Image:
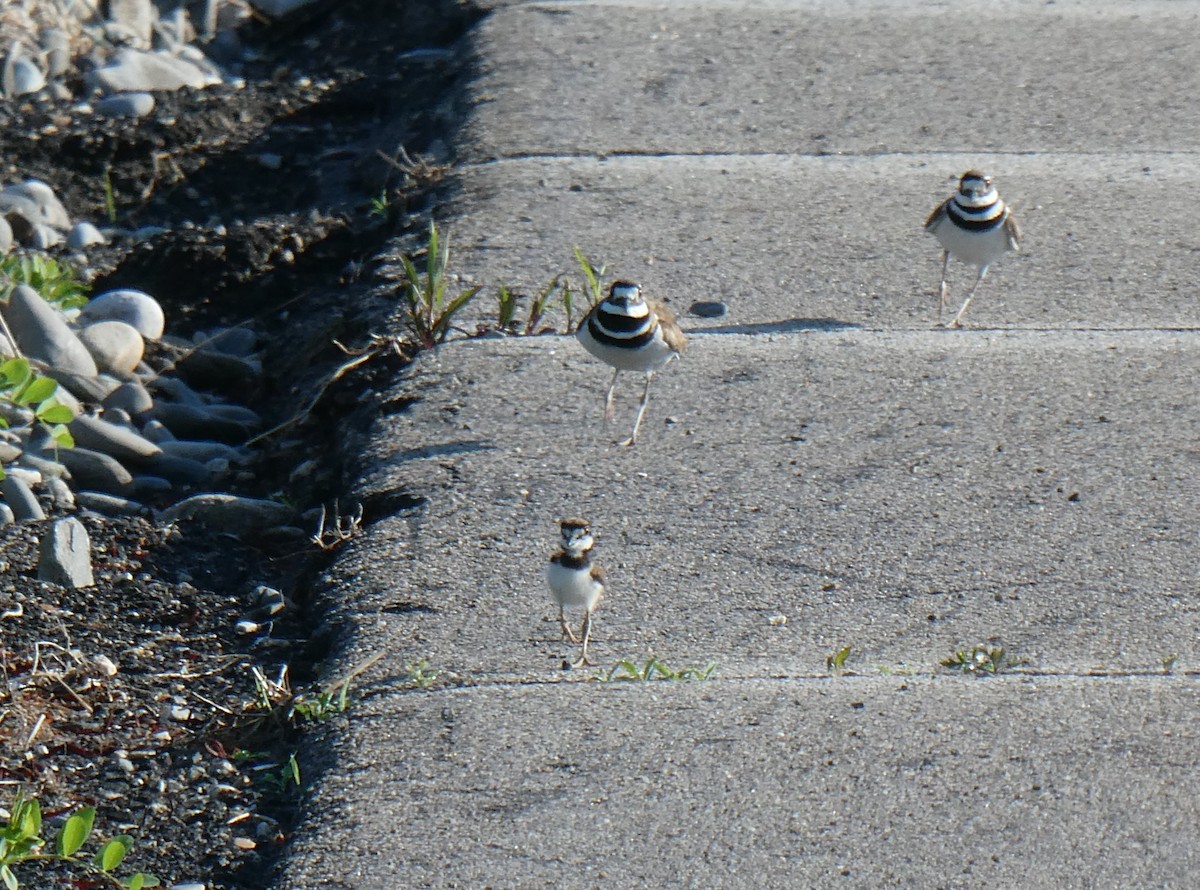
278,8
9,452
176,390
65,554
190,422
42,333
108,438
132,398
120,417
36,202
201,451
111,505
57,44
25,77
85,387
156,432
92,469
232,513
60,493
21,499
126,105
28,475
236,413
115,346
136,15
84,235
218,370
6,514
44,237
239,341
135,71
134,307
151,486
180,470
15,415
47,466
6,236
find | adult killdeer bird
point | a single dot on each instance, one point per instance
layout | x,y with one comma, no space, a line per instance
575,580
631,334
975,226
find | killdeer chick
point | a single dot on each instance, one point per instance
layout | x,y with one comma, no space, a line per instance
631,334
973,225
575,580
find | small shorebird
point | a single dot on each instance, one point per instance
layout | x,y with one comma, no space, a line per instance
973,225
631,334
575,580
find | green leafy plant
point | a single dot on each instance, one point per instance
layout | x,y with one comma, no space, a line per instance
21,842
55,281
22,388
380,204
419,675
323,705
509,301
591,278
835,663
653,669
980,661
428,312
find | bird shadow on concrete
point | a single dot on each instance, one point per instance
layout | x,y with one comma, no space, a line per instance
789,326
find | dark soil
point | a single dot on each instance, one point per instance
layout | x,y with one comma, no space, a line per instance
178,748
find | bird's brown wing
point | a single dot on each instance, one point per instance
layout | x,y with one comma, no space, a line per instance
939,213
1013,231
672,333
598,574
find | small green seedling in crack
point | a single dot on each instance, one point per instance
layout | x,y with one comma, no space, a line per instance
380,204
56,282
981,661
427,311
110,199
418,675
1168,663
323,705
835,663
628,670
21,842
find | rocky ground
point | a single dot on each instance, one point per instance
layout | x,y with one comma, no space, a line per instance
163,694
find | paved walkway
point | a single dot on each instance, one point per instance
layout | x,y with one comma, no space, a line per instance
822,455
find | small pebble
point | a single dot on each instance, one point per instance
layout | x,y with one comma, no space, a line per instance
126,105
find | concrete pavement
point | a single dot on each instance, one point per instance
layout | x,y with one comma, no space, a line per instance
821,455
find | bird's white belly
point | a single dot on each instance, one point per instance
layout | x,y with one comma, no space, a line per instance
573,587
650,357
975,248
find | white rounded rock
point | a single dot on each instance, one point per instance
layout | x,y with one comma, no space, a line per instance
6,236
37,202
126,105
27,77
135,308
83,235
117,347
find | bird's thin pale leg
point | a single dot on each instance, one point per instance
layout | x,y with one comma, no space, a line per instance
637,423
963,309
945,291
586,630
566,628
609,410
